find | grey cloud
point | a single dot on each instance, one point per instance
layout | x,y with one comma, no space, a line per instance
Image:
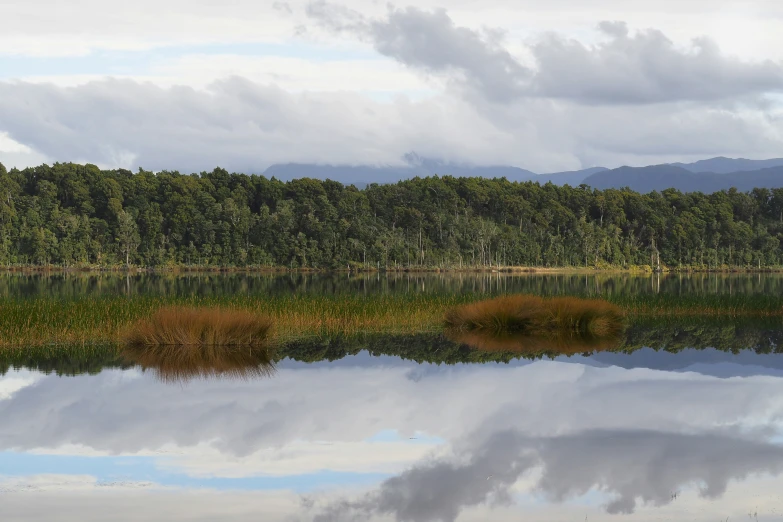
336,17
440,490
631,465
646,68
617,28
650,465
429,40
642,68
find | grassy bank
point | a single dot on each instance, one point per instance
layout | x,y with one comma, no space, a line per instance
46,321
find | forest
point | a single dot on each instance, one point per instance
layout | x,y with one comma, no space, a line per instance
72,215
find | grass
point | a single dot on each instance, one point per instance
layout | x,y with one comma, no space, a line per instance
90,321
182,363
532,324
183,343
57,322
534,316
200,327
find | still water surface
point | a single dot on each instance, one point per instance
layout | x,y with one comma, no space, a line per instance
695,435
79,285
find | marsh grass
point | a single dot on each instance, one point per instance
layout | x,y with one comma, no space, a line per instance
57,322
538,317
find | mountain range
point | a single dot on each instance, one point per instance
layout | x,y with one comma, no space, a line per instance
709,175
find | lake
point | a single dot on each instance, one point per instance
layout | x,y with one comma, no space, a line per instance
408,428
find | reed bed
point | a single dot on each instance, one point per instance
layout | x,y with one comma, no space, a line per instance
73,322
721,306
55,322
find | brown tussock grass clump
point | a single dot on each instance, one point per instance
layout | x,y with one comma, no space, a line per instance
184,326
534,316
180,344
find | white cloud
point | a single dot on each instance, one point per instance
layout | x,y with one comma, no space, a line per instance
64,498
290,74
70,483
240,419
299,458
51,28
16,380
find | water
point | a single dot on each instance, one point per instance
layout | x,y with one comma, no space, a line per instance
651,435
77,284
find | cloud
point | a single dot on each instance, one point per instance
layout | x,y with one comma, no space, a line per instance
440,490
430,41
64,497
298,458
650,465
630,433
627,465
238,419
246,126
50,29
642,68
646,67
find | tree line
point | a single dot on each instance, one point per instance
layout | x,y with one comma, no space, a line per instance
74,215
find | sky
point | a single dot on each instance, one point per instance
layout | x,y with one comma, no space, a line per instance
378,438
546,86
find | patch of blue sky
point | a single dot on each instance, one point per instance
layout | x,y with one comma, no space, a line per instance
103,62
394,436
111,469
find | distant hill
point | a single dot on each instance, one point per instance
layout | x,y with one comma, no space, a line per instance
347,174
721,165
661,177
744,174
363,175
573,177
